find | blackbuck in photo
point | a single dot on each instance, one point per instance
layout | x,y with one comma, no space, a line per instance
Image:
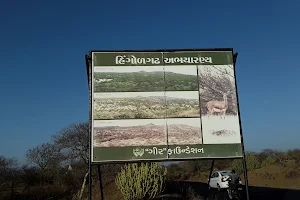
220,107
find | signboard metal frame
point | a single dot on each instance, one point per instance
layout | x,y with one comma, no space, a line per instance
89,68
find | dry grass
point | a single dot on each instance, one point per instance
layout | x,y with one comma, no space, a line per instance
270,176
110,192
275,176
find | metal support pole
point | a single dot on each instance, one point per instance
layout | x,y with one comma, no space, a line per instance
88,71
100,183
241,132
246,177
90,182
211,170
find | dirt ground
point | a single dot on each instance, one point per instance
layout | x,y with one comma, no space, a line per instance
274,176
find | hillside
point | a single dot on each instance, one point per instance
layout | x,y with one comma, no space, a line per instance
266,169
145,107
146,135
145,81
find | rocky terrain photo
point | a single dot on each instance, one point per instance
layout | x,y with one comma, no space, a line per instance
116,136
182,134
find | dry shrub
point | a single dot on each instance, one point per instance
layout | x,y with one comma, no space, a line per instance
294,174
267,175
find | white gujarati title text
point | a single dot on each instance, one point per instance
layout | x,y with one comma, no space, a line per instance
177,150
131,59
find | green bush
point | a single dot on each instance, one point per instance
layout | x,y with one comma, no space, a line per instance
141,181
269,161
252,162
237,165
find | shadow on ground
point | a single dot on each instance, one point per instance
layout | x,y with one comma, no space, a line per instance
255,193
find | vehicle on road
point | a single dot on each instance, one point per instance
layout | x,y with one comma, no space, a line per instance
233,190
220,179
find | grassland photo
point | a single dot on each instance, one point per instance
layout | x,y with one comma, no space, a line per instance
120,133
182,104
129,105
129,79
181,78
219,110
184,131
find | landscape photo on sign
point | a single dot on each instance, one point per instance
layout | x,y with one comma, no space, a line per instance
218,102
181,78
184,131
182,104
129,132
129,105
129,79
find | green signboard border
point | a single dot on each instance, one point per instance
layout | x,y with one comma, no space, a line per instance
176,152
162,58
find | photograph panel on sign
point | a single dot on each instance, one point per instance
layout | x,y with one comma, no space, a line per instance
121,133
181,78
129,105
129,79
184,131
182,104
218,102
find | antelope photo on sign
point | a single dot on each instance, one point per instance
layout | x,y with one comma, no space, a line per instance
218,104
220,107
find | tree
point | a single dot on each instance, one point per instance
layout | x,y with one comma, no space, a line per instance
47,158
8,172
30,176
7,166
73,142
252,161
237,165
271,159
294,154
141,181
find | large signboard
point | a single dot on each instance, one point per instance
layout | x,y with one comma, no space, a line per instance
164,105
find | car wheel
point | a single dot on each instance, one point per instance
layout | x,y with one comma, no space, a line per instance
219,188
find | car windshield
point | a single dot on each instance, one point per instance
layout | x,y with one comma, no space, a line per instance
226,173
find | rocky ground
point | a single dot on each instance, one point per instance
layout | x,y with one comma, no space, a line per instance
179,134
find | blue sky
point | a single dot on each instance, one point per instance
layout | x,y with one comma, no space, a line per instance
43,80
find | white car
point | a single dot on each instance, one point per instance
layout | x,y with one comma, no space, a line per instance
219,179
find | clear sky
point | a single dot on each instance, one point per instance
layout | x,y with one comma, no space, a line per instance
43,80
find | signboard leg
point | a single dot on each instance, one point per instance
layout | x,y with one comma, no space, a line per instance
246,177
100,183
88,71
90,182
241,132
211,170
